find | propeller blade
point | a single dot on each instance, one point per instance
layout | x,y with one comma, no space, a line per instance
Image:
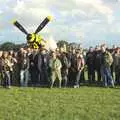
42,25
20,27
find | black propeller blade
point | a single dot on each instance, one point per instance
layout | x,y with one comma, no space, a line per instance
42,25
20,27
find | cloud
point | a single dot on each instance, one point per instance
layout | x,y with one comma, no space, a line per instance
73,19
1,11
20,7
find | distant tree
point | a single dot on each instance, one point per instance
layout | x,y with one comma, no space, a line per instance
61,43
7,46
73,45
11,46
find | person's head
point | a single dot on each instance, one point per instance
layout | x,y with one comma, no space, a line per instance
118,50
73,51
21,50
61,50
114,46
25,52
53,54
84,53
1,52
97,48
77,54
43,51
103,48
11,52
29,50
35,50
64,54
15,54
5,54
57,50
91,49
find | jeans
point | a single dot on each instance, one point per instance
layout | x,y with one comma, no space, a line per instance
91,74
7,81
24,76
54,76
64,73
117,75
78,78
107,77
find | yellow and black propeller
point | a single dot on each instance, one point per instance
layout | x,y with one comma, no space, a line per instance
33,39
20,27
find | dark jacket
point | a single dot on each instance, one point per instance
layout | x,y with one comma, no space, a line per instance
90,59
98,56
24,62
41,62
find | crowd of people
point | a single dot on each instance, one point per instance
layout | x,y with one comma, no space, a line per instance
39,67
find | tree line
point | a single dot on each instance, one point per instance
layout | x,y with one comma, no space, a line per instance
12,46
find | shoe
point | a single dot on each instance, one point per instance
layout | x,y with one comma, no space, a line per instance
9,87
76,86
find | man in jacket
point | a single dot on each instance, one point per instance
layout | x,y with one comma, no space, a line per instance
55,66
65,67
117,66
90,61
24,69
80,66
106,62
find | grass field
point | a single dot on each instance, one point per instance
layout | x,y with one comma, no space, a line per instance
85,103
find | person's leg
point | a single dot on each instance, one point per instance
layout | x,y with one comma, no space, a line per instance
112,69
8,82
26,78
109,77
0,78
22,78
103,74
119,77
59,78
82,78
116,75
65,79
53,78
11,77
89,75
78,79
98,75
44,77
93,75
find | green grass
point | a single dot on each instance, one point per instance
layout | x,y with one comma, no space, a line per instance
85,103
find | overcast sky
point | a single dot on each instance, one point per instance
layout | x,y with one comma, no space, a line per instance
90,22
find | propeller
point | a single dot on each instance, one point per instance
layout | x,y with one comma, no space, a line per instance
42,25
20,27
33,39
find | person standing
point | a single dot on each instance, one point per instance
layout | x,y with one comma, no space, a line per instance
65,67
55,68
6,65
106,62
117,66
1,75
33,69
80,66
72,70
98,63
43,66
24,69
90,61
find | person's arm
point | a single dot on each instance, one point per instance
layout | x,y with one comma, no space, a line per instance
60,65
82,64
110,59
